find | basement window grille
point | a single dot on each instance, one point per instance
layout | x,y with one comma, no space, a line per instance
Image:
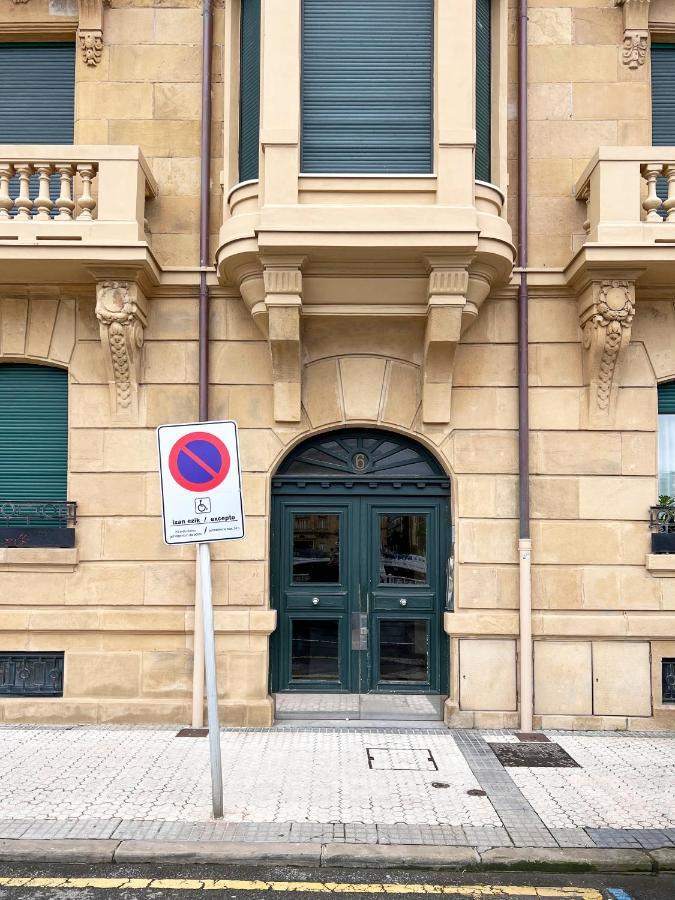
31,674
668,680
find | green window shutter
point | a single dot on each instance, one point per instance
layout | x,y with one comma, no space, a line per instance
666,394
483,90
249,91
367,86
663,104
37,93
33,432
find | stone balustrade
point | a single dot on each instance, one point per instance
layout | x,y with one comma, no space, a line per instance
630,195
74,192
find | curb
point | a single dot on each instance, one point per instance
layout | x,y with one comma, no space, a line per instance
315,855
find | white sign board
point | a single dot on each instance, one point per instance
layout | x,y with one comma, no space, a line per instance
200,482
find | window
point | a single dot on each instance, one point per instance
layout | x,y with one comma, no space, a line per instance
483,90
367,86
667,438
663,107
33,449
249,94
37,99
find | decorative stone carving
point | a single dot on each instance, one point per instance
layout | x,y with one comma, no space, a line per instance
121,312
283,299
636,32
90,30
606,311
447,300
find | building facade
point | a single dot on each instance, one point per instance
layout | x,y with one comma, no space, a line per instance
363,294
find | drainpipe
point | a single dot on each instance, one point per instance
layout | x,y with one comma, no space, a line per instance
524,542
204,215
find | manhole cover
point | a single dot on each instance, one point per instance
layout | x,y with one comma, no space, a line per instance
411,760
532,736
535,755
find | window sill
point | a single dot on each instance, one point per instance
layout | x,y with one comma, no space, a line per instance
45,559
661,564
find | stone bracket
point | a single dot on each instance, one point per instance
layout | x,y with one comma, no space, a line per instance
122,316
606,310
635,32
283,300
447,301
90,30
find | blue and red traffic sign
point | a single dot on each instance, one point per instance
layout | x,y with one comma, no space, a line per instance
200,480
199,461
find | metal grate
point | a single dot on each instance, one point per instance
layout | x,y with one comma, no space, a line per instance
668,680
31,674
534,755
401,759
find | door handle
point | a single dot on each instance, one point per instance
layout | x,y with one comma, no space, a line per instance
315,601
403,601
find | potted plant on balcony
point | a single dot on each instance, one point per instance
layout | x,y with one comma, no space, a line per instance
662,523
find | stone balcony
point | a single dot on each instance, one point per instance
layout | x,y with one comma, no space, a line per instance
629,227
353,247
73,214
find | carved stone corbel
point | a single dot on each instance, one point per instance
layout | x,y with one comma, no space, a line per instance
121,312
446,304
606,310
635,32
283,299
90,31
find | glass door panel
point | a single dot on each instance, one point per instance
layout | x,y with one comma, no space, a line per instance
403,651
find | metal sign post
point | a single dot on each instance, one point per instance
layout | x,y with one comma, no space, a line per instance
201,502
211,681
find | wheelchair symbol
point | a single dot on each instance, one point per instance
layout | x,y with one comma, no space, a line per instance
203,505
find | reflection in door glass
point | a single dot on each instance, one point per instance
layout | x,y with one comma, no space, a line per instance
403,549
404,652
314,650
316,548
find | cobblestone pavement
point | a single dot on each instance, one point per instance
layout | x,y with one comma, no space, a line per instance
373,785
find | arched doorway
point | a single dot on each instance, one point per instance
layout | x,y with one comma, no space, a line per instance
360,567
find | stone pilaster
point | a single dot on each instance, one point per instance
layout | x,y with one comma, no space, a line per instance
283,299
121,312
447,301
606,310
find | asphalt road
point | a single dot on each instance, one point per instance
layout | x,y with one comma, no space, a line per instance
169,882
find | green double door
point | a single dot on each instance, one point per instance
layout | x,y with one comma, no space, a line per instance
360,587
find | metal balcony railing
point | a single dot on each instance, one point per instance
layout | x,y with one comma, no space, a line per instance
662,527
37,523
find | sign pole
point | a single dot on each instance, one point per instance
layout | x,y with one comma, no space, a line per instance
211,684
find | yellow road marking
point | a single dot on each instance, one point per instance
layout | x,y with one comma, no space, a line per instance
473,891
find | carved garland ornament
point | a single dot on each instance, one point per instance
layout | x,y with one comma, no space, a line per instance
606,326
636,32
121,315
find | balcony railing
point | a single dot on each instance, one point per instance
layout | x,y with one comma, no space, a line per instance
662,527
73,193
630,195
37,523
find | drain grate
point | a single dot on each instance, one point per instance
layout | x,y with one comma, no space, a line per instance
532,736
401,759
193,732
535,755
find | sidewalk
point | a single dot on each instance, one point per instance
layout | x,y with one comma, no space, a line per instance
324,787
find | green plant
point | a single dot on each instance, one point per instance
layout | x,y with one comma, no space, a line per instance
666,500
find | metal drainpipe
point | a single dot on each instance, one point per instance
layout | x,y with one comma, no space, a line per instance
204,215
524,542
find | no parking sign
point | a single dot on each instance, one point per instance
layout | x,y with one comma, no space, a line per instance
200,482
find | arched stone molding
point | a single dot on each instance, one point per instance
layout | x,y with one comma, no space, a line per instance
37,327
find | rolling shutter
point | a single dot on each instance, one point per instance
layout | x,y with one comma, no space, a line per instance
483,90
249,92
367,86
666,398
33,432
663,104
37,93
